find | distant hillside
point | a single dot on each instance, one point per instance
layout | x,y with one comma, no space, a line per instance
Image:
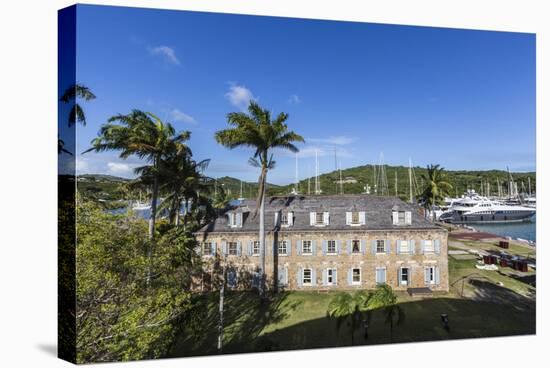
355,179
250,189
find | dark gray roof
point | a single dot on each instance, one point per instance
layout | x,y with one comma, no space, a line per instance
378,213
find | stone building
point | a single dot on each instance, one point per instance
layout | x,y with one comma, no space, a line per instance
328,242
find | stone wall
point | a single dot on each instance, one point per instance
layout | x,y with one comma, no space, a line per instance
245,264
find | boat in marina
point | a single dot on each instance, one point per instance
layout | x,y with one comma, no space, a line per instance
477,209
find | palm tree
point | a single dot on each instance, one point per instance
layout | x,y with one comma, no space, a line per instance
182,178
435,188
384,297
72,94
143,135
346,306
77,113
255,129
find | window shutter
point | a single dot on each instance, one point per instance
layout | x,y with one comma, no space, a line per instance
249,248
412,247
436,271
239,248
326,218
290,218
324,276
349,276
349,246
324,247
224,248
362,219
437,246
373,247
348,218
337,243
422,244
299,247
387,246
426,275
410,275
408,217
377,277
363,246
299,277
213,248
395,217
313,248
313,277
276,219
239,219
289,247
397,246
335,276
312,218
384,275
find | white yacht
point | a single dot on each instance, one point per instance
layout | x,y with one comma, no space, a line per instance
477,209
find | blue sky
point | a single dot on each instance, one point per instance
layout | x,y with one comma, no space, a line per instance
463,99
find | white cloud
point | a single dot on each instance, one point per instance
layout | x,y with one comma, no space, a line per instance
167,53
178,115
239,96
340,140
81,165
118,168
294,99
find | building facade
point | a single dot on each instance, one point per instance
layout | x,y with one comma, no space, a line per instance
327,242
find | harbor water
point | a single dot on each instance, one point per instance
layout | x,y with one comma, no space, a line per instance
516,230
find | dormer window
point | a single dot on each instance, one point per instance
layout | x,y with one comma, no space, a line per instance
287,219
318,218
401,217
235,219
355,218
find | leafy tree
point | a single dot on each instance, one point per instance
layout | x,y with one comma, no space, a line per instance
118,318
143,135
258,131
436,188
384,297
347,307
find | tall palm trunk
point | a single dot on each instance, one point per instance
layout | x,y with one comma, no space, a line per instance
261,191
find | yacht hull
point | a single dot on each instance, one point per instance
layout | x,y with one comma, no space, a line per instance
456,218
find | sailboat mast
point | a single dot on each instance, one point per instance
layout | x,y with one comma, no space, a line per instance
396,182
529,184
410,181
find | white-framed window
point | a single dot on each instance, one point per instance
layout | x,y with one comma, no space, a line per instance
256,248
331,247
403,246
380,246
319,218
355,218
287,218
232,248
307,247
235,219
429,275
380,275
404,276
355,276
306,276
402,217
356,246
331,276
429,246
207,249
282,248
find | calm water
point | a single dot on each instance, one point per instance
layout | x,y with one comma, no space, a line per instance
523,230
